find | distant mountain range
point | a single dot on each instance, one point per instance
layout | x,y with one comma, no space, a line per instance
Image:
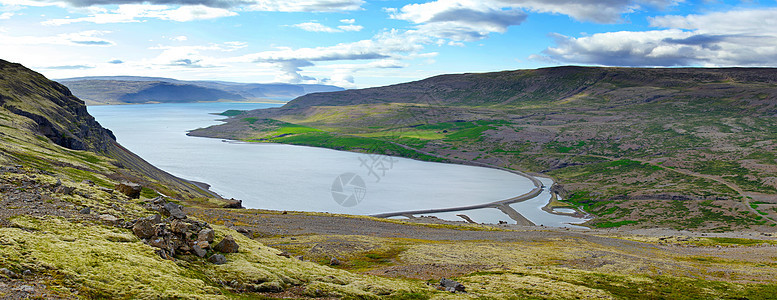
100,90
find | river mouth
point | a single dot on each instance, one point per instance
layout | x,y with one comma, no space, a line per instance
297,178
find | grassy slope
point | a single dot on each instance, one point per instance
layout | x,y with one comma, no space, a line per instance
622,142
78,255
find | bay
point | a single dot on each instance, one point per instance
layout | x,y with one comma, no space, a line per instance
285,177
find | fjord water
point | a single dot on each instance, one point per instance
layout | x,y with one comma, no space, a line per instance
285,177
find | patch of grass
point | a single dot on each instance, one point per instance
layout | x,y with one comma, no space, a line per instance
232,113
471,134
148,193
607,224
250,120
738,241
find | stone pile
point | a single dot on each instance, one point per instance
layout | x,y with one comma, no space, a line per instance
176,234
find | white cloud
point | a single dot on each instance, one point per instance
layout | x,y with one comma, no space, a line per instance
734,38
318,27
82,38
128,13
731,22
179,38
256,5
305,5
471,20
460,20
6,15
599,11
350,27
315,27
348,21
387,46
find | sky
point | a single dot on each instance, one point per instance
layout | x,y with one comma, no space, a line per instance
361,43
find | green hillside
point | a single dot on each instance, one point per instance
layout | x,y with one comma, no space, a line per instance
672,148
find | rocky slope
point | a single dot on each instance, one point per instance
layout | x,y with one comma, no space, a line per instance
681,148
45,126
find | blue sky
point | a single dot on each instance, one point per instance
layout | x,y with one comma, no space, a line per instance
359,43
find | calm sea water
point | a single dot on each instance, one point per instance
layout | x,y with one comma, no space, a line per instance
285,177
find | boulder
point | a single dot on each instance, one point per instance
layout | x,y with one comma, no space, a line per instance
451,285
217,259
164,254
144,229
85,211
233,203
155,219
203,244
108,218
178,226
65,190
197,250
159,242
227,245
334,261
7,273
206,235
132,190
174,210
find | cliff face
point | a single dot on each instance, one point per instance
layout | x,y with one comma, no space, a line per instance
57,114
37,113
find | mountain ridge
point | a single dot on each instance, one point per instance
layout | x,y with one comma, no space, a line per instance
98,90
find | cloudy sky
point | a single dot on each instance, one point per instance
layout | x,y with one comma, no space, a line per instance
361,43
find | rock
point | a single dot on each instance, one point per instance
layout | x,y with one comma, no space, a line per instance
26,273
144,229
105,189
108,218
85,211
198,250
7,273
232,203
217,259
159,243
227,245
203,244
452,285
206,235
26,289
284,254
178,227
65,190
132,190
300,257
174,210
155,219
334,262
164,255
88,182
